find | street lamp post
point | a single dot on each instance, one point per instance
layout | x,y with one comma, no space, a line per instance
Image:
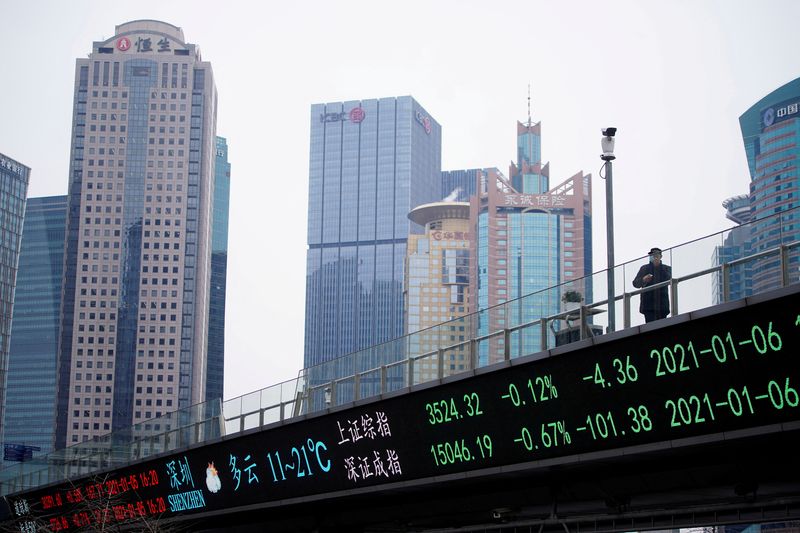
607,143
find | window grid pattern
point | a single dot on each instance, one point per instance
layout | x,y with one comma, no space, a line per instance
771,132
138,254
219,264
30,416
365,176
13,192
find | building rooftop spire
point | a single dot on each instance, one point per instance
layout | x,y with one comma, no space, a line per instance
529,106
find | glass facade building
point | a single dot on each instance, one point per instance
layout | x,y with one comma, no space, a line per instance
437,287
14,178
737,245
134,318
459,185
31,383
219,269
771,134
371,163
529,236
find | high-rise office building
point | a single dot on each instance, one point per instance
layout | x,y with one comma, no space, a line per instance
134,318
437,289
31,384
371,163
219,272
737,245
529,237
459,185
14,178
771,134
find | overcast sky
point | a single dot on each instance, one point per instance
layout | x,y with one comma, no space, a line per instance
672,76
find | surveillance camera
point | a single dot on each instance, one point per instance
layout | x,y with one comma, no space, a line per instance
607,143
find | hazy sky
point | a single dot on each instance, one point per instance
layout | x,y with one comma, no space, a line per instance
672,76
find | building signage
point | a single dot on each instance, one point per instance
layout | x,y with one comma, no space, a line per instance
780,112
355,115
19,452
790,109
450,236
145,44
424,120
535,200
11,165
711,376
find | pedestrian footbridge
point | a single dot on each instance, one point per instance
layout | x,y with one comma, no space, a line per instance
692,420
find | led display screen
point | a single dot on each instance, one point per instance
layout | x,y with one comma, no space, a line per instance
733,370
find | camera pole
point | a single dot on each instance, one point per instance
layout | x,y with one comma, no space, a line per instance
607,144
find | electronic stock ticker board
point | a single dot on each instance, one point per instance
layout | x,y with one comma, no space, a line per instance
734,370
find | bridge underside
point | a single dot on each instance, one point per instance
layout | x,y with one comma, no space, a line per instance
746,480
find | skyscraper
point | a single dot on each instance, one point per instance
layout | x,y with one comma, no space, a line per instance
31,384
737,245
134,318
528,237
219,272
14,178
459,185
771,134
437,288
371,163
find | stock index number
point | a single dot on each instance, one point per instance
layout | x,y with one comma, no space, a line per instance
447,410
625,372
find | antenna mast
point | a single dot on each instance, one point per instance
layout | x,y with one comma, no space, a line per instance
529,105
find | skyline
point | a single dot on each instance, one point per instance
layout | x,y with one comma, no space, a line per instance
676,104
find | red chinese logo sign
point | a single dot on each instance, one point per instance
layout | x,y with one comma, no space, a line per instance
357,115
425,121
123,44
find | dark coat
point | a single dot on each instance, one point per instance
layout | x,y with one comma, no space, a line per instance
656,300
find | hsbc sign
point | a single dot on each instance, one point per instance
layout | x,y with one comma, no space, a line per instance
424,120
355,115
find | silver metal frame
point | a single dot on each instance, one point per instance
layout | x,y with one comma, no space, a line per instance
299,397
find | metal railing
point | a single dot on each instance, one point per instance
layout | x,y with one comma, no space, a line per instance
462,344
172,431
396,365
581,314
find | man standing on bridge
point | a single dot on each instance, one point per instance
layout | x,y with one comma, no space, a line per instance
654,303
